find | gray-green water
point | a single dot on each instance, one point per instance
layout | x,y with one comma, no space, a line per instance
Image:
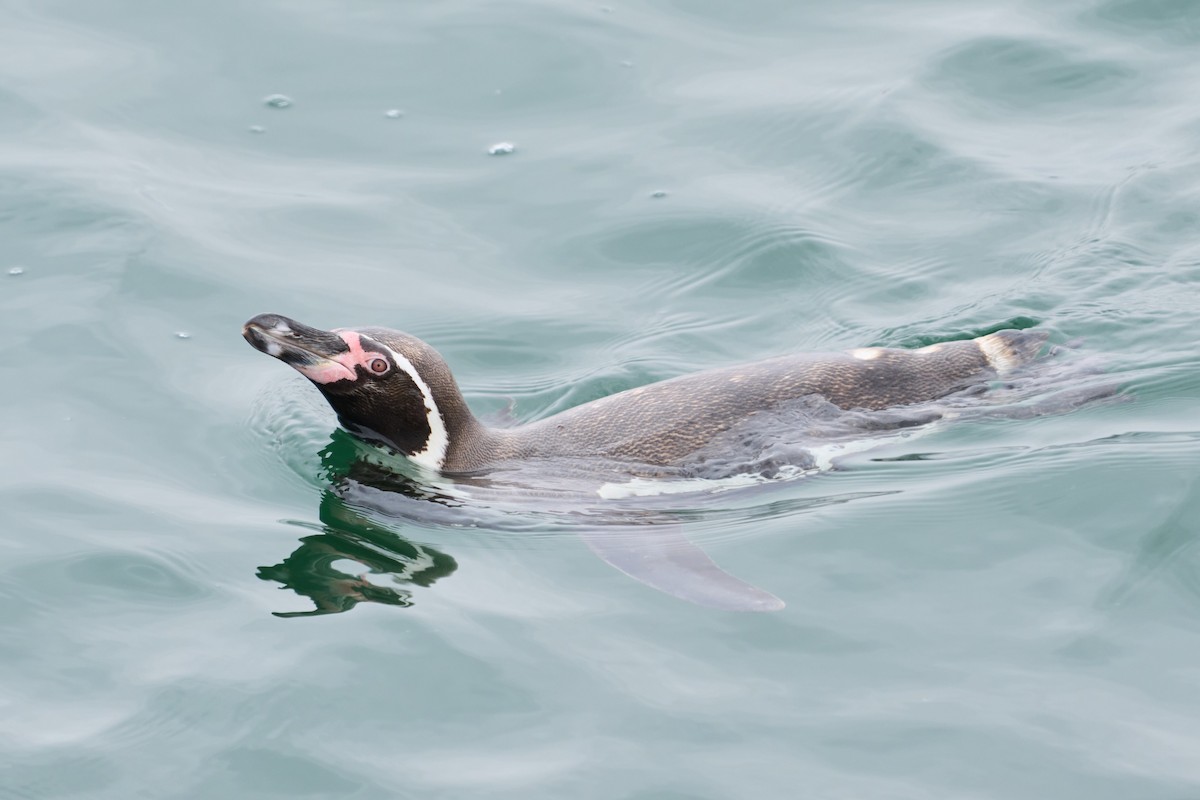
1003,609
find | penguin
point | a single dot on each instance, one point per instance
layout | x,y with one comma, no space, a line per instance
392,388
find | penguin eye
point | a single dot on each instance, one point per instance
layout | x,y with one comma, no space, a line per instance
378,365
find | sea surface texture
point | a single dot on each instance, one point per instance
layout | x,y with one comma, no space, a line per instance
569,199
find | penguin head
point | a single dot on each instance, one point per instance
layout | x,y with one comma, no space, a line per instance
385,386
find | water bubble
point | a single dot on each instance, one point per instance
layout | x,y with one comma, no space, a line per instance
501,149
257,129
182,335
658,193
277,101
14,271
394,113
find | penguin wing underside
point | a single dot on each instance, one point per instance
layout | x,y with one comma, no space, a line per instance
661,557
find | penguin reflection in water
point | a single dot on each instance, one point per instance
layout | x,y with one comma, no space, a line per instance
393,389
346,536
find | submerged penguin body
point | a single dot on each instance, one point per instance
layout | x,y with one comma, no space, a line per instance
390,387
395,389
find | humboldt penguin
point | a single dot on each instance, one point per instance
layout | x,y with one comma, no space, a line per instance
392,388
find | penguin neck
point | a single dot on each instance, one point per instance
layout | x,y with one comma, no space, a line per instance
458,441
472,445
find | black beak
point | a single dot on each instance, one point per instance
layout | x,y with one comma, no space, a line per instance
292,342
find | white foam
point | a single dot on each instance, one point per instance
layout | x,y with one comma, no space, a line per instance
649,487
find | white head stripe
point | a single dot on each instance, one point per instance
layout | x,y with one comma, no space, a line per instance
434,454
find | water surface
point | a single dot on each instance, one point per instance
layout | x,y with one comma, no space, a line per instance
1000,609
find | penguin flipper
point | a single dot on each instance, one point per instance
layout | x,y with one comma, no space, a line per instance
661,557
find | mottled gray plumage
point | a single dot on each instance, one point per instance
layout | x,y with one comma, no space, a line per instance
664,423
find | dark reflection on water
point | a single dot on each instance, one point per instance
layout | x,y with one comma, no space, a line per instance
310,570
347,535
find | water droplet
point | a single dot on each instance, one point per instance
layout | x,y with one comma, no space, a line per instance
394,113
257,129
14,271
658,193
277,101
501,149
182,335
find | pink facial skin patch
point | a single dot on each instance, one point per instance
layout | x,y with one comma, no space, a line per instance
340,367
